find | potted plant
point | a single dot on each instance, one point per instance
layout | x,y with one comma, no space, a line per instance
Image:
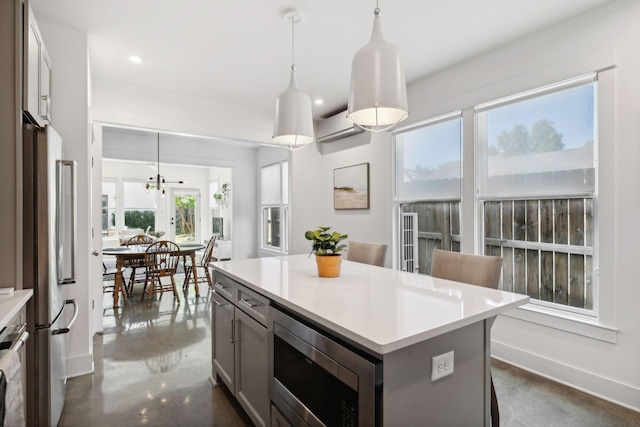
326,247
226,191
223,197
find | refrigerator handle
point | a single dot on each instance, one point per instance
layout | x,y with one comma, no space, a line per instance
71,222
73,319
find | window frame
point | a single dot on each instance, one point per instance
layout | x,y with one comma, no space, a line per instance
483,196
114,182
281,204
434,201
602,327
120,196
122,189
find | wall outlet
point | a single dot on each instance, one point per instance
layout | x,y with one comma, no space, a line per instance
441,365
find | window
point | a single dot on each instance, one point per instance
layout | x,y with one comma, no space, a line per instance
108,209
428,188
139,206
536,180
274,194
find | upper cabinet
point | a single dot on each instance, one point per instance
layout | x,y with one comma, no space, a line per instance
36,94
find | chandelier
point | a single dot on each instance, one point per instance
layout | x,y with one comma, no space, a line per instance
158,182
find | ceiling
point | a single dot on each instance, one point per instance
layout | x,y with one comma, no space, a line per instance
239,52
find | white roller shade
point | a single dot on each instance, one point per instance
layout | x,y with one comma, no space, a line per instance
540,144
270,185
428,160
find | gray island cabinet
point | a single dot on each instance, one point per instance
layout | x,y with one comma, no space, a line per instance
427,339
239,345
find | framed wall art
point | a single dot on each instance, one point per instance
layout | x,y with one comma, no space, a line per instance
351,187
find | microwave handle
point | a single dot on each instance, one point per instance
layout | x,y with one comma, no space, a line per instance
328,364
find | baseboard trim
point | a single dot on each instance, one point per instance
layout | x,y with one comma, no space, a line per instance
79,365
607,389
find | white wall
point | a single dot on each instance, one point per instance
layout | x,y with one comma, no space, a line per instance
69,56
313,191
148,108
584,358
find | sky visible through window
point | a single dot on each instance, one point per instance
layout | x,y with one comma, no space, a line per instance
432,146
570,111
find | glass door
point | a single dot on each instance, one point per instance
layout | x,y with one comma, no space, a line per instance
185,215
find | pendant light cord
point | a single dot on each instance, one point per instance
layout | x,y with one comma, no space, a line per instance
158,178
293,42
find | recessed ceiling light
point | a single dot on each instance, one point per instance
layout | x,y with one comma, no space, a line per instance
135,59
318,101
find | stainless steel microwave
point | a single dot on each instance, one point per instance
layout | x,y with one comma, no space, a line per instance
319,381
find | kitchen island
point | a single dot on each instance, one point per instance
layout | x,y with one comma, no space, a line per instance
399,319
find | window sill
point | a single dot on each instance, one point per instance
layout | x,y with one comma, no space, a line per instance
575,324
272,250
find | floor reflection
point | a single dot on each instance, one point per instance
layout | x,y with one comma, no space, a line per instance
152,365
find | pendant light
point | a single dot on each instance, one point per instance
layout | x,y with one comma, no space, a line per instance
293,127
378,96
159,182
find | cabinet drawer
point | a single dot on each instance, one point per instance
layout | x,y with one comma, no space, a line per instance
223,286
252,303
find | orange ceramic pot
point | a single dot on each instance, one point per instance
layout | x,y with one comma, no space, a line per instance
329,265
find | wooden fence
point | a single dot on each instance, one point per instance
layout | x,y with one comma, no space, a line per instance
546,245
547,248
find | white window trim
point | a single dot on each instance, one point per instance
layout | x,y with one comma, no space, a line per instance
587,326
598,327
263,213
120,197
284,208
115,182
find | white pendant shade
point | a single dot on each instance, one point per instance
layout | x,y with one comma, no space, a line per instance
293,127
378,96
294,120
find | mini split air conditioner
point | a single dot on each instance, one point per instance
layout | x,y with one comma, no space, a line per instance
336,127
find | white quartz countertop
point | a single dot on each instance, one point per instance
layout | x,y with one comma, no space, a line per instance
378,308
10,306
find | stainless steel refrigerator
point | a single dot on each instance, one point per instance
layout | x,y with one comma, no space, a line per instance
49,199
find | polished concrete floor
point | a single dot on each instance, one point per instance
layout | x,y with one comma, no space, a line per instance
152,368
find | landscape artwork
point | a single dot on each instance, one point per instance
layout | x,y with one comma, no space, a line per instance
351,187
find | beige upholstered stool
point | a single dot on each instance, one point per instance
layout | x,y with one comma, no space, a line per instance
367,253
475,270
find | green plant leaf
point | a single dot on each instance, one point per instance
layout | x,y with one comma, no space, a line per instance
325,242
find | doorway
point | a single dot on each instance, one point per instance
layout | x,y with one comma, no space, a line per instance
185,215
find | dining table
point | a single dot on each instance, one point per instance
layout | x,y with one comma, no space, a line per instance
135,253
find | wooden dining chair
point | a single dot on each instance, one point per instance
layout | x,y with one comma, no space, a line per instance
136,265
367,253
476,270
109,274
161,262
203,274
